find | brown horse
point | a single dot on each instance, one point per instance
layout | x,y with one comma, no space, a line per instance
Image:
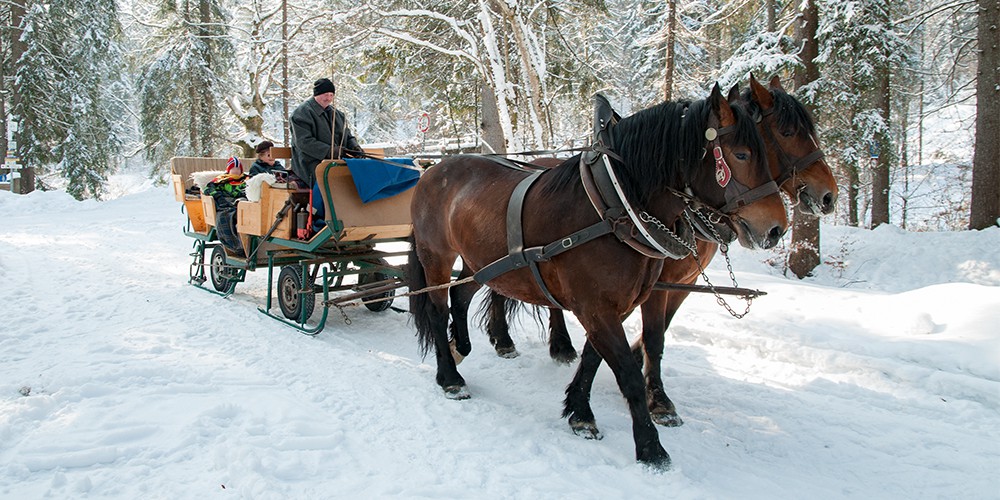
458,210
795,160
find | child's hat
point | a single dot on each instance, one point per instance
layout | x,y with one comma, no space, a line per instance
233,166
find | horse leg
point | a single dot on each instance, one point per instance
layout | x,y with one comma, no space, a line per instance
461,297
657,312
608,337
430,315
560,345
576,406
497,327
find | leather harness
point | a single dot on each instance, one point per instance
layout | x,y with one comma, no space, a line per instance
617,215
789,166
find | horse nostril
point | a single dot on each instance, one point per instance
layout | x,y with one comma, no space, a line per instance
828,202
774,235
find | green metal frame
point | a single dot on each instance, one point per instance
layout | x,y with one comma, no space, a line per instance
342,259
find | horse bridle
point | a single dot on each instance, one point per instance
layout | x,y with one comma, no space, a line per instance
790,166
737,194
703,216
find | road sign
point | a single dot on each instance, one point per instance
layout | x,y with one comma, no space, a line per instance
424,122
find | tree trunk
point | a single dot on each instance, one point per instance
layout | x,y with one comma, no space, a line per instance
904,161
804,255
668,79
206,116
853,188
986,157
4,59
17,48
530,73
772,23
880,175
284,73
493,136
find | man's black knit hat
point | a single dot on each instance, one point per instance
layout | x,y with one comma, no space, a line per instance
322,86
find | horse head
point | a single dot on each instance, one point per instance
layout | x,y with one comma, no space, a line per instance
733,178
793,153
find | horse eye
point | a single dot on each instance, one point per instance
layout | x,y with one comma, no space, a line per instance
742,156
787,133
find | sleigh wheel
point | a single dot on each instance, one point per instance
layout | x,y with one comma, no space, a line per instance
290,300
374,277
220,273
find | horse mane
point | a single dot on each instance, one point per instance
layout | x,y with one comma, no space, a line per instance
661,146
790,112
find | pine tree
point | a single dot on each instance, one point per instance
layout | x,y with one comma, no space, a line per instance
859,48
69,82
182,83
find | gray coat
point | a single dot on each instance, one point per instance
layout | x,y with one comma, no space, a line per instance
311,138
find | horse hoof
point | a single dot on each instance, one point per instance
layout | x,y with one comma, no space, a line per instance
563,358
586,430
658,464
457,392
667,419
457,356
507,352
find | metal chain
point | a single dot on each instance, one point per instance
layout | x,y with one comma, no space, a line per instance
732,276
710,225
343,313
649,219
724,248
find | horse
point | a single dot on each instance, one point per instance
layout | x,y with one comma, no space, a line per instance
795,161
659,158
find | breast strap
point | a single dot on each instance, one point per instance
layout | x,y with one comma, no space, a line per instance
518,256
615,219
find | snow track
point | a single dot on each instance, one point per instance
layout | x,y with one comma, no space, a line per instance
885,384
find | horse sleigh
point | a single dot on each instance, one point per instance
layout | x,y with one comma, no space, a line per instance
534,235
298,269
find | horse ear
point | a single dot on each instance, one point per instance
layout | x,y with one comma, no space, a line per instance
734,94
760,95
721,106
776,83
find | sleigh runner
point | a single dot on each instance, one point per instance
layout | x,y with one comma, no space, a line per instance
307,263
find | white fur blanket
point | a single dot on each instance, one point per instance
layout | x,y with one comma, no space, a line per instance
254,183
201,179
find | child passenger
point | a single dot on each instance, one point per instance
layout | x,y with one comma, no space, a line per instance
265,163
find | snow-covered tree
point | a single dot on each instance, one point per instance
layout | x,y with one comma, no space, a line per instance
71,108
279,48
182,82
506,44
859,48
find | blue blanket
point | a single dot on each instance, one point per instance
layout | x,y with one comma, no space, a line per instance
377,179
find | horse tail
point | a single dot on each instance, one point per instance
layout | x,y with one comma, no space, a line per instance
420,304
496,313
496,309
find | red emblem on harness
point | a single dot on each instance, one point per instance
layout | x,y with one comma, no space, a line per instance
722,172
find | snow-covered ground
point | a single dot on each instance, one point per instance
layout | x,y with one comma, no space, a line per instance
879,377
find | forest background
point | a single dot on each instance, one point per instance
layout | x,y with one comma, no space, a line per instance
900,90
